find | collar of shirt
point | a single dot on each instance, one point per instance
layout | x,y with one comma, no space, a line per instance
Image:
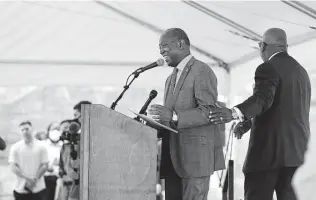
183,63
275,54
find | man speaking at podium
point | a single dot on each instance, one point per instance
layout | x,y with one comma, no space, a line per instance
192,155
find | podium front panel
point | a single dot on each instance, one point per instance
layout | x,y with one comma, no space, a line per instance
118,158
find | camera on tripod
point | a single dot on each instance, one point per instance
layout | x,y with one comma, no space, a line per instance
73,137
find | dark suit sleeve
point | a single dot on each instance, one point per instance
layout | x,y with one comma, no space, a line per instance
266,82
205,92
2,144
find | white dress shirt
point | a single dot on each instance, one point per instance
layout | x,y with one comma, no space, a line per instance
238,112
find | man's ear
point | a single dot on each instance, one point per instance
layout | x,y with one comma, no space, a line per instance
181,44
263,48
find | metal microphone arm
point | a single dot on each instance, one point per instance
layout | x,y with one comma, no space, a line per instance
126,87
136,73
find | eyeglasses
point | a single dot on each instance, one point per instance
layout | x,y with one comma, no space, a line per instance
264,44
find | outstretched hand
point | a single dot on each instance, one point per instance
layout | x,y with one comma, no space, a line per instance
241,128
220,115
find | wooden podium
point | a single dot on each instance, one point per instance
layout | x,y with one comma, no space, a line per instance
118,156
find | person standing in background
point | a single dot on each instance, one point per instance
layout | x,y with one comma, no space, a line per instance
54,147
28,160
3,145
69,168
64,162
75,163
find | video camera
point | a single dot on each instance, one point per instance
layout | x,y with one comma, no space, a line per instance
72,136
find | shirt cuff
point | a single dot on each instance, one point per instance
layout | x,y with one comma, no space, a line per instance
174,116
239,113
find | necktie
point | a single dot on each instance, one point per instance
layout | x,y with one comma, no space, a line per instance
171,87
173,79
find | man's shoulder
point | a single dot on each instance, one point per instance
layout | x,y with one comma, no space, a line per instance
200,67
16,145
41,145
285,59
265,67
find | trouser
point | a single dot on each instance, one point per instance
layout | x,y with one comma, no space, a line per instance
30,196
177,188
261,185
66,187
74,193
50,182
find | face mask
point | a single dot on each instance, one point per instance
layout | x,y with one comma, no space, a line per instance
54,135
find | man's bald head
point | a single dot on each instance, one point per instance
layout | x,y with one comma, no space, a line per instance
275,36
178,34
274,40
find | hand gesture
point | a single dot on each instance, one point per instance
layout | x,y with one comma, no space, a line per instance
50,169
30,183
160,113
75,163
73,175
241,128
220,115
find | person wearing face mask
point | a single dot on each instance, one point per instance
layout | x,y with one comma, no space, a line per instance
53,147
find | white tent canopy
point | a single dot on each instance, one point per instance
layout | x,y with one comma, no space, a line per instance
98,44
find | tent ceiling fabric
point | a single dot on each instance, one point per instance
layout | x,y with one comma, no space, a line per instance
89,32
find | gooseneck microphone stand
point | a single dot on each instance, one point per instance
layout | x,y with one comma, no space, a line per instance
136,73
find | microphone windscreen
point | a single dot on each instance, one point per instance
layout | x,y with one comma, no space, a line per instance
160,62
153,94
74,127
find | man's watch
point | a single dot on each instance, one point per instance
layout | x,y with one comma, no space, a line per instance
234,114
174,120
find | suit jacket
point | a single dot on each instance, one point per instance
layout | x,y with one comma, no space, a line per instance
2,144
280,108
197,150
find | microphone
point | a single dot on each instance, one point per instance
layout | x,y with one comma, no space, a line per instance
152,95
74,127
159,62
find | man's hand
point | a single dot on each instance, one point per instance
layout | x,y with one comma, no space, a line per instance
30,183
73,175
241,128
220,115
50,169
74,163
160,113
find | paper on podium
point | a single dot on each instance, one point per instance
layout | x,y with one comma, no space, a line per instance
153,122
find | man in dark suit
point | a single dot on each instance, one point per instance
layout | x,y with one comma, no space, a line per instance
2,144
192,155
279,108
